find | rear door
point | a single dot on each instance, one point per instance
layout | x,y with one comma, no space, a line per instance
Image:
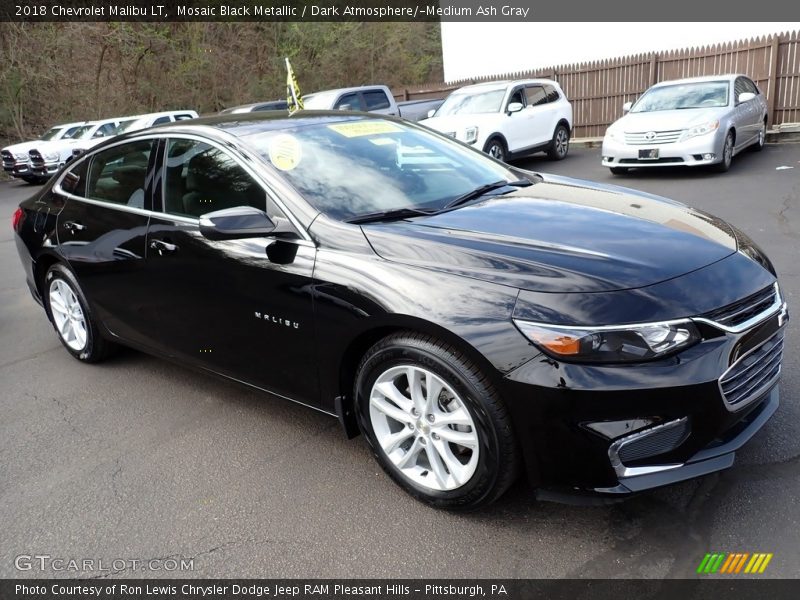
240,307
102,230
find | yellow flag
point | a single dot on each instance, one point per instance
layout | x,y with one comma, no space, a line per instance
293,97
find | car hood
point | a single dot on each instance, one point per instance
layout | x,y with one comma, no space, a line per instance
667,120
560,235
23,147
458,123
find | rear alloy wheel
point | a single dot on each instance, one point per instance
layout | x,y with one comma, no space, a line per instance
559,146
71,317
727,155
496,149
434,422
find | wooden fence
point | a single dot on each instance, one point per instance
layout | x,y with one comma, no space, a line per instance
598,89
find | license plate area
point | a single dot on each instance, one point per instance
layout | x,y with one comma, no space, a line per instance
649,154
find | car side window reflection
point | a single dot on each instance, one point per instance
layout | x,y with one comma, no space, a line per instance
118,174
200,178
74,180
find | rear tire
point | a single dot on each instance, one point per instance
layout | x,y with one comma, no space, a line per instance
71,316
618,170
435,422
559,146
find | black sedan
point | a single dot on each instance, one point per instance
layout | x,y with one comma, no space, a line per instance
472,320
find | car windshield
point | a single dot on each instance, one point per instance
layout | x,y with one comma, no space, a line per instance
472,103
50,133
708,94
356,167
318,101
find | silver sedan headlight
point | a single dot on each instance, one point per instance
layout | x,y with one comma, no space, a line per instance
701,129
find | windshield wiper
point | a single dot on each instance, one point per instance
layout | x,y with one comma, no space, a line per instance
390,215
485,189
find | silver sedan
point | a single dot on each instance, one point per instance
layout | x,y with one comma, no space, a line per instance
691,122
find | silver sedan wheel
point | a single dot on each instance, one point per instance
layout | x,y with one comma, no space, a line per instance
68,315
424,428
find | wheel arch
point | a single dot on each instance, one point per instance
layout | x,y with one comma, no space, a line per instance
565,123
496,135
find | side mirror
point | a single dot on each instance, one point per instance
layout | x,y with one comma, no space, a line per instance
236,223
746,97
431,112
626,107
514,107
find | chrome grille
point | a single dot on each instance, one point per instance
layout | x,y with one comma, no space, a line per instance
753,374
8,159
661,137
744,309
37,160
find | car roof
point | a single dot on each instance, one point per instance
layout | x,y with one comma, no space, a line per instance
704,78
493,85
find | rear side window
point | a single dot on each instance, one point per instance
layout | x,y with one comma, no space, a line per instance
348,102
376,100
161,120
551,93
74,180
118,174
183,117
535,95
201,178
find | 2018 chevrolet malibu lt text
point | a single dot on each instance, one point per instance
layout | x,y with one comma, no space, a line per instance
472,320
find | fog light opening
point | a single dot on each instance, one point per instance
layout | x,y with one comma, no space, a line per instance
709,156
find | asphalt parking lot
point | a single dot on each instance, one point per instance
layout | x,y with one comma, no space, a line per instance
138,458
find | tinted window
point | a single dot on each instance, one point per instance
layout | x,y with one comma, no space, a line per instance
161,120
74,181
751,87
104,130
551,92
535,95
272,106
376,100
201,178
183,117
118,174
517,96
348,102
739,88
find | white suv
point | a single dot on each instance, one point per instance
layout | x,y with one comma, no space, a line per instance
508,119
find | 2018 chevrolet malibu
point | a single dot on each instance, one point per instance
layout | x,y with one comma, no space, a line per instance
472,320
691,122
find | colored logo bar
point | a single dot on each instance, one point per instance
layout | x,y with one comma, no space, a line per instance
733,563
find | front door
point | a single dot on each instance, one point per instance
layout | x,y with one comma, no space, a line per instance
239,307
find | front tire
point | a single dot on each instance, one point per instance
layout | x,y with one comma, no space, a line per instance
762,138
71,316
559,145
496,148
727,155
435,423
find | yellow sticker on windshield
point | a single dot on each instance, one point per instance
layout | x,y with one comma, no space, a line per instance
285,152
362,128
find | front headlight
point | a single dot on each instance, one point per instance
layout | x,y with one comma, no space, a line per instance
471,135
614,134
610,344
702,129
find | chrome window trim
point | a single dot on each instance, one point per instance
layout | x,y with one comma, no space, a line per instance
305,238
622,471
765,387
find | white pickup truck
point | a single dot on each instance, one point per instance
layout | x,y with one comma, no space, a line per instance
369,98
16,161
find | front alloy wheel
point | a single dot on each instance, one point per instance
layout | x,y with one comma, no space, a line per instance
727,154
434,422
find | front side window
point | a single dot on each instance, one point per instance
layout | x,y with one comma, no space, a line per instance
348,168
348,102
161,120
118,174
201,178
104,130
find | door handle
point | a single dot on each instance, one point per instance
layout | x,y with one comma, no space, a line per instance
162,247
73,226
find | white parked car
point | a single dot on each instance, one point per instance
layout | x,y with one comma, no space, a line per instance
692,122
508,119
48,157
16,161
135,123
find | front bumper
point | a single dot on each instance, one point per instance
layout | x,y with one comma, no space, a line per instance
44,169
18,168
692,152
659,422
